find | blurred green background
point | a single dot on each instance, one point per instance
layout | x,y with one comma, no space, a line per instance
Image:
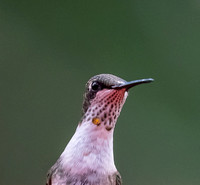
49,49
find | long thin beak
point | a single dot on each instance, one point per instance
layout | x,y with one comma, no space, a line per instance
130,84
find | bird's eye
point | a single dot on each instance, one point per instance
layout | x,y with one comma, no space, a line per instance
95,86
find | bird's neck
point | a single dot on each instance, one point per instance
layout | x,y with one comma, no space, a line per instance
90,149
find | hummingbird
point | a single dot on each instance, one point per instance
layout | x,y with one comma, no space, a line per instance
88,157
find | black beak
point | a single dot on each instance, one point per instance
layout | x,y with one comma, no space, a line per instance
128,85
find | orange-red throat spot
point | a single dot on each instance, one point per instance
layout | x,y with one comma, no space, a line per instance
96,121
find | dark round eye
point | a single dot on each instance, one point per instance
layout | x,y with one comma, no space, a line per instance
95,86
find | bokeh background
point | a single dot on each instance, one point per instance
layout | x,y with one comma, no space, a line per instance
49,49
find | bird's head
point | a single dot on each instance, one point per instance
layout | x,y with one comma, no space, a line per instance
104,97
91,147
